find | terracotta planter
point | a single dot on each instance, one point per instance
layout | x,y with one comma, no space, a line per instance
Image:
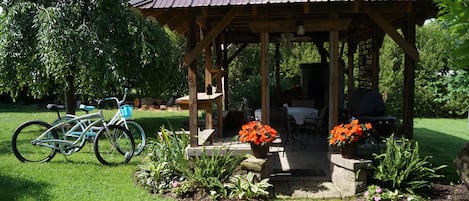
259,151
349,150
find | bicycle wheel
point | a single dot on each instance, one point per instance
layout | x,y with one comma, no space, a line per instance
25,149
137,133
114,145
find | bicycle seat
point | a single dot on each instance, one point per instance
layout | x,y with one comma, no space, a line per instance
55,107
87,108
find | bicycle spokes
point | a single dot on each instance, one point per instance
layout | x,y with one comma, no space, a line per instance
114,145
26,145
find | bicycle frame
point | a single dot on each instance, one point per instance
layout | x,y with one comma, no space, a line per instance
91,131
66,147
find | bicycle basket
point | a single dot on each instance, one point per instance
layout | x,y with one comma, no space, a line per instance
126,111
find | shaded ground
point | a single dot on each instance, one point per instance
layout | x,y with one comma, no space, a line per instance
443,192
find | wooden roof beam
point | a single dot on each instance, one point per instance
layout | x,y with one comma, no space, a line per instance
183,16
238,51
182,28
408,48
273,26
189,58
167,16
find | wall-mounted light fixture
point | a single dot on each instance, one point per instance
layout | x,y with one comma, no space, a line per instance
300,28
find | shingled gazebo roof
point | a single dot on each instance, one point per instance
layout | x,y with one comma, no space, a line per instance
282,15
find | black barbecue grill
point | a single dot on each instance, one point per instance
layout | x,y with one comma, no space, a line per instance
367,105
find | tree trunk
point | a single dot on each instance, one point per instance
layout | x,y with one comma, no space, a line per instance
69,95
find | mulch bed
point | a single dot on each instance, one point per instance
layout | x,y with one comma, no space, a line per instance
440,192
443,192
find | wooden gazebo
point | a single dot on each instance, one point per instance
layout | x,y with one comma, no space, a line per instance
212,25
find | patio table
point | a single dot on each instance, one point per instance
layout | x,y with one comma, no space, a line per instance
298,113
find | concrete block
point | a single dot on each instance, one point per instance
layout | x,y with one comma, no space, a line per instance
349,175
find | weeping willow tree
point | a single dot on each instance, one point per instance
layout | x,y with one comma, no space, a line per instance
94,46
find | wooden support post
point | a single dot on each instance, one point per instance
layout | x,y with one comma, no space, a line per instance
277,73
352,47
409,80
322,51
265,81
226,78
192,82
333,76
375,58
208,81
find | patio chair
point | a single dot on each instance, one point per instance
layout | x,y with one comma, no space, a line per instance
317,124
281,121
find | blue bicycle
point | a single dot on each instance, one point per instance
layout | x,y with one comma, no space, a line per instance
38,141
122,117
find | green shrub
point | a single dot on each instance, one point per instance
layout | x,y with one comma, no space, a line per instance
166,168
246,187
210,172
401,168
162,167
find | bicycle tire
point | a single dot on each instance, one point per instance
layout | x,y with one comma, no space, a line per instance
22,145
137,133
114,145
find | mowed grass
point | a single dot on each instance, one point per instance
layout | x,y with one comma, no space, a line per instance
443,139
76,177
81,177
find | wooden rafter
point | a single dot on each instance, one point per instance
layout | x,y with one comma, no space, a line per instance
167,16
408,48
176,21
290,25
238,51
189,58
183,28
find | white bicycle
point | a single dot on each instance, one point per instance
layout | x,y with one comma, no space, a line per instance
122,117
38,141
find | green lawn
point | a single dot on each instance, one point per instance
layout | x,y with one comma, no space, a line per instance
77,177
81,176
442,139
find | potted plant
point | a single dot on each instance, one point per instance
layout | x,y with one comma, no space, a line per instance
346,136
259,136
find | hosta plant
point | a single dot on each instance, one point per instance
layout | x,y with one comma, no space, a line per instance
245,187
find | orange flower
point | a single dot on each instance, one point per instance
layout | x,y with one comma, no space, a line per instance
255,132
348,133
368,126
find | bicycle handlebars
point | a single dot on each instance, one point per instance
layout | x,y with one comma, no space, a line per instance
119,102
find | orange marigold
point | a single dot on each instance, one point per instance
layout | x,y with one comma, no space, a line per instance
255,132
344,134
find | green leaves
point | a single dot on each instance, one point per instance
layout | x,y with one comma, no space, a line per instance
101,44
401,168
19,66
248,187
456,13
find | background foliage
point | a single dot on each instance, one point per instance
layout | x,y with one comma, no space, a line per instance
440,88
92,46
101,45
456,14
